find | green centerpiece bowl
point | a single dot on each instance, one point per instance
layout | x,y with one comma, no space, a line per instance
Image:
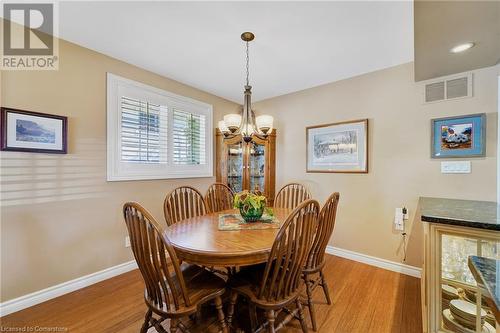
250,204
251,214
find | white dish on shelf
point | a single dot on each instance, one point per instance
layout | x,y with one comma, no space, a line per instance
449,292
453,325
449,289
471,296
490,318
466,310
466,322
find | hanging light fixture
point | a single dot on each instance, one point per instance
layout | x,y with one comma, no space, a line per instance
246,124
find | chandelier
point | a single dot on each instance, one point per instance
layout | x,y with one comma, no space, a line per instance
246,124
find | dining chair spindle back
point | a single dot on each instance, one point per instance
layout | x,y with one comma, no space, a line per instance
172,290
219,197
291,195
316,260
182,203
275,285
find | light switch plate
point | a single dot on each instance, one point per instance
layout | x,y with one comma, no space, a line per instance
456,167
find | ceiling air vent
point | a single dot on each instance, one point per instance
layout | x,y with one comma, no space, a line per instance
451,87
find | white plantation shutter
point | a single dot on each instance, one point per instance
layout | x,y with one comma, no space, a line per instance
154,134
189,138
143,131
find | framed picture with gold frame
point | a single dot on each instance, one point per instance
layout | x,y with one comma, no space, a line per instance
338,147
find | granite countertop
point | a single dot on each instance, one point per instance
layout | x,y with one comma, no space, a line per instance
487,274
467,213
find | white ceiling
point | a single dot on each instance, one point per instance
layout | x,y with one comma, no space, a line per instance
298,45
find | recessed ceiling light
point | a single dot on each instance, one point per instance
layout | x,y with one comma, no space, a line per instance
462,47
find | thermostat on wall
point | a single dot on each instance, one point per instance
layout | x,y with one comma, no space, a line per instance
455,167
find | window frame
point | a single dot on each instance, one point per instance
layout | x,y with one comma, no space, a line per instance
117,170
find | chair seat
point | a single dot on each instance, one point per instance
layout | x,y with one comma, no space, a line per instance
247,282
201,286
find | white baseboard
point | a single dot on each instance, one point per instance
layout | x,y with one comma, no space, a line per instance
43,295
374,261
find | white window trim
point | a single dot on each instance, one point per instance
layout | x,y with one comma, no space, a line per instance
122,171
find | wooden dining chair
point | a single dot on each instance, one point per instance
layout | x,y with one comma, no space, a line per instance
219,197
182,203
274,286
172,291
316,260
291,195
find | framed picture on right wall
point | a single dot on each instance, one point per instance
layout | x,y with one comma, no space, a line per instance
461,136
338,147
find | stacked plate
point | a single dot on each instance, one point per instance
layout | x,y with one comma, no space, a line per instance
471,296
463,314
448,293
490,318
451,324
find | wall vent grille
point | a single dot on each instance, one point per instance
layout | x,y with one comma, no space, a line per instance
447,88
434,92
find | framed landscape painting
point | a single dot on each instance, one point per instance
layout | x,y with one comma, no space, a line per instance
462,136
33,132
339,147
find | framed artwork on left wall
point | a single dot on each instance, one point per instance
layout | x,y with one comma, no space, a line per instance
33,132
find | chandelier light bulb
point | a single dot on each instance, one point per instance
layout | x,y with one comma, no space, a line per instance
232,121
222,127
264,123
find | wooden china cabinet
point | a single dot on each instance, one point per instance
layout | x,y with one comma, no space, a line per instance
245,166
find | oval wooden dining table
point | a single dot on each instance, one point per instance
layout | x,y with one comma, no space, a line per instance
198,240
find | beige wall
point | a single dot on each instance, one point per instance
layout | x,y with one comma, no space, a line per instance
399,149
60,219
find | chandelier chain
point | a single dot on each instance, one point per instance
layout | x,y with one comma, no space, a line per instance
248,60
244,125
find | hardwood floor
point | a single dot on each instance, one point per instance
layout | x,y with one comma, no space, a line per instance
365,299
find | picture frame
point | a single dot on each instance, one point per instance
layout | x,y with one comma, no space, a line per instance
459,136
33,132
340,147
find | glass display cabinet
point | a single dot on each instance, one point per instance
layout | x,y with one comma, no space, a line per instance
245,166
451,299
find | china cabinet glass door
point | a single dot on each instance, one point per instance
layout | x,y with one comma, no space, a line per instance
256,166
247,166
235,163
463,307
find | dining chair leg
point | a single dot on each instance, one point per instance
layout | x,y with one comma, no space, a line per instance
301,316
183,327
220,314
270,320
253,317
174,323
147,318
325,287
197,316
230,310
310,304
